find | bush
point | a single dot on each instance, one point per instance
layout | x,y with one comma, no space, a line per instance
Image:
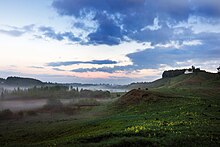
31,113
6,114
20,113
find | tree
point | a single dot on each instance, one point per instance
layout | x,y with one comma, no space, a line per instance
193,68
173,73
218,70
2,95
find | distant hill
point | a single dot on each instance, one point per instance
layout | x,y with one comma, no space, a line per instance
2,80
197,79
19,81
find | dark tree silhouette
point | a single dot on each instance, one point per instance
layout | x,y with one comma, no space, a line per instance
193,68
172,73
2,95
218,70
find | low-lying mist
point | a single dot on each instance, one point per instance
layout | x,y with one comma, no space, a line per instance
35,98
31,104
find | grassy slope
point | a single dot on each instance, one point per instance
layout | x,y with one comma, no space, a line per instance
195,80
184,116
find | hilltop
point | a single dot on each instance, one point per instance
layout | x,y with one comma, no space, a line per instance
19,81
137,96
192,80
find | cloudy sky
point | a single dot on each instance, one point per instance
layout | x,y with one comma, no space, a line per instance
107,41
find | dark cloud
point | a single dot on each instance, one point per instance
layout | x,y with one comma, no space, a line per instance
147,59
99,62
207,50
108,32
161,35
152,58
119,19
128,69
71,37
50,33
103,69
111,16
208,8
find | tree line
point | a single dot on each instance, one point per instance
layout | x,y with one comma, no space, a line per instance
55,92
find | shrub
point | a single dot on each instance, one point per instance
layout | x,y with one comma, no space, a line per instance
6,114
31,113
20,113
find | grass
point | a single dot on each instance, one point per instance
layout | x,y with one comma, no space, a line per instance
194,80
188,118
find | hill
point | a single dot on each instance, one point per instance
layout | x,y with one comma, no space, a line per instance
193,80
137,96
170,115
19,81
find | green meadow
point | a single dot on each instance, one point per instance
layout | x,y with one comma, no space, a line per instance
154,117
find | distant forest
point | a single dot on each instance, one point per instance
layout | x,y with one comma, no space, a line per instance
54,92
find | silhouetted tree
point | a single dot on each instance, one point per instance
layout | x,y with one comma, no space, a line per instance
218,70
2,95
193,68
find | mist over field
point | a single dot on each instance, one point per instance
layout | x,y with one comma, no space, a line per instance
32,103
18,105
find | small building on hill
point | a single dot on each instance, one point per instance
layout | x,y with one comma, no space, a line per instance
177,72
192,70
188,71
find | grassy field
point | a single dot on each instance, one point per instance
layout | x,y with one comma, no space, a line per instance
181,118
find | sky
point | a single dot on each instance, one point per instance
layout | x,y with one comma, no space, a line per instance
107,41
